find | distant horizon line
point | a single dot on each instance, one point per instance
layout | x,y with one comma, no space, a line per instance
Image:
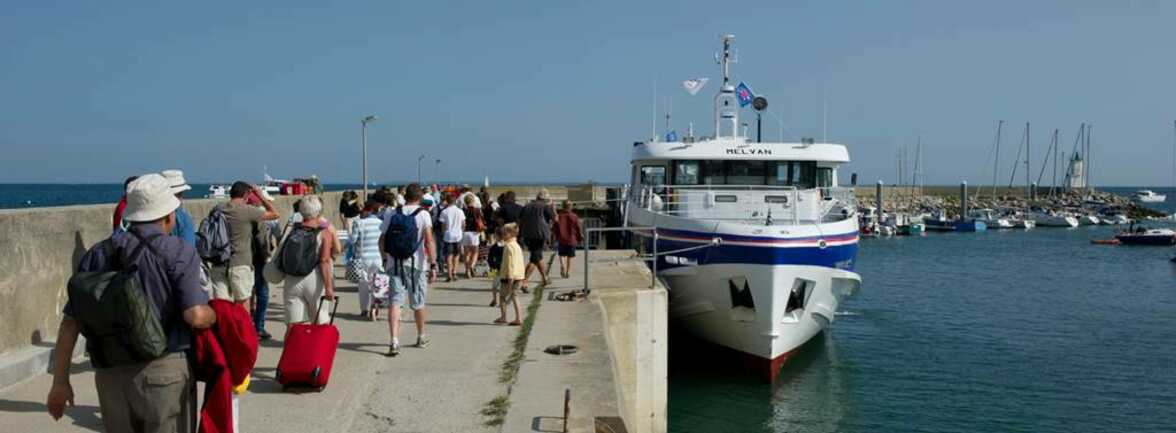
478,183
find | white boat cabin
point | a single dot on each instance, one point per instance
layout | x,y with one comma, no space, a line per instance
734,179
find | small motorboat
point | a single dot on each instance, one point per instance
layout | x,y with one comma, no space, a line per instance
992,219
1088,220
1111,241
1148,196
218,192
1045,219
1146,236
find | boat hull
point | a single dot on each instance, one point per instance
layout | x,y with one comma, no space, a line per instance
759,293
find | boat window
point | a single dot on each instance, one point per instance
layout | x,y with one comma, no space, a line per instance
653,175
726,198
776,199
714,173
824,177
745,172
686,172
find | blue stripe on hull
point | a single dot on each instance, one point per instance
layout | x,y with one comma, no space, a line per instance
839,257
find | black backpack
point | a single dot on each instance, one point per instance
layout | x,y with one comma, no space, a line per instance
115,313
300,253
402,238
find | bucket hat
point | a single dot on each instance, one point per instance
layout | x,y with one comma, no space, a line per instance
149,198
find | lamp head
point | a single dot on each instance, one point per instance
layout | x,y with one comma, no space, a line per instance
369,119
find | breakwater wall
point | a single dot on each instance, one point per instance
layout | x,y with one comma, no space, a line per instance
40,248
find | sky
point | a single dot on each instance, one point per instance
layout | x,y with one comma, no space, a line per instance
557,91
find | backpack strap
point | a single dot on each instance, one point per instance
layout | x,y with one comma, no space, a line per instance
133,259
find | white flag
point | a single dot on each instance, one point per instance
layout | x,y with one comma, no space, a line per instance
694,85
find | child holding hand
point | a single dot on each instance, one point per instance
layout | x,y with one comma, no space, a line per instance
511,273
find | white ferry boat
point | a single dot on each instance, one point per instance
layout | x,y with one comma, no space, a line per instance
1148,196
783,235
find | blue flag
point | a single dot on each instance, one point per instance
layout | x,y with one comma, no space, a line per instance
744,94
672,136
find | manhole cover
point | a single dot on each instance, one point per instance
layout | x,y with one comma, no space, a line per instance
562,349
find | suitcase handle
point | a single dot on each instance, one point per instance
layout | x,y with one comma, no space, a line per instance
334,308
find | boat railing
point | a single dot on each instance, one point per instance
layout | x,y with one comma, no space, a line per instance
768,203
651,257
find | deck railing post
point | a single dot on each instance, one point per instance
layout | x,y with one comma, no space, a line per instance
653,276
587,249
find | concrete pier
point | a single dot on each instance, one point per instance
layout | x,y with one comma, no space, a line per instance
617,374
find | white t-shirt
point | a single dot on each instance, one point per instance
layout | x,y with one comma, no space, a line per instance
453,219
424,223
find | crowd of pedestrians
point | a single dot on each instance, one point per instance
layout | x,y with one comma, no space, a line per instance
398,242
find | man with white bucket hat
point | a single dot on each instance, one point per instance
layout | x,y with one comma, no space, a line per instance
133,395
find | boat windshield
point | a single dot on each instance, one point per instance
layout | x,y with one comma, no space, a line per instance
800,174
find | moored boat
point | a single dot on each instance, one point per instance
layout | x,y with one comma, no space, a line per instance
1146,236
1148,196
1048,219
763,239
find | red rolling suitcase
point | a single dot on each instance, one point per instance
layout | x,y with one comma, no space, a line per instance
309,352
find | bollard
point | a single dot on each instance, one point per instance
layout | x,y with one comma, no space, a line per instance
567,408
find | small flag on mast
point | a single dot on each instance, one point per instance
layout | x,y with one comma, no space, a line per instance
694,85
744,94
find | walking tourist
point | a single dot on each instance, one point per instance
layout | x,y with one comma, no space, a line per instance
508,210
233,281
349,208
510,274
452,221
365,235
407,242
137,396
535,229
494,260
185,229
471,238
567,237
263,246
308,281
116,219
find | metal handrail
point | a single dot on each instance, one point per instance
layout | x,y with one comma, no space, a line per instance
716,241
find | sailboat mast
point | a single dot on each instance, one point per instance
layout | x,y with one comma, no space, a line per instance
996,159
1028,157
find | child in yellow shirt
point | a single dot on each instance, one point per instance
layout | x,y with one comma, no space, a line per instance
511,273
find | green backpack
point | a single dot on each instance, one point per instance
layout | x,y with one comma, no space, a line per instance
115,313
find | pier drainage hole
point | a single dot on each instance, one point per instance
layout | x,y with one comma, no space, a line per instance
561,349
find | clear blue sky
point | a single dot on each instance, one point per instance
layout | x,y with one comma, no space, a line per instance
558,90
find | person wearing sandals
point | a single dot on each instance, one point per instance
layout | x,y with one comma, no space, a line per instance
535,227
471,237
511,274
567,236
365,233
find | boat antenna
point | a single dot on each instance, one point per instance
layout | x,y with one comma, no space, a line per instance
653,126
725,107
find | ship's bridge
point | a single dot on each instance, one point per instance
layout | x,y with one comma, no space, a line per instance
733,179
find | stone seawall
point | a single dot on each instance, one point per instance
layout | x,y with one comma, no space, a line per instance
39,249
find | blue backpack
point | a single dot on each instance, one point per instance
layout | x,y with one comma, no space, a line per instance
402,238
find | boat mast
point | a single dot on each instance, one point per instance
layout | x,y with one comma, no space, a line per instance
725,100
996,159
1028,157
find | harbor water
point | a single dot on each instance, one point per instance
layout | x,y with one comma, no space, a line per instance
1012,331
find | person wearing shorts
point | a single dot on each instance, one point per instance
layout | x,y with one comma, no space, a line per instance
410,278
471,238
567,236
234,280
535,228
511,273
452,221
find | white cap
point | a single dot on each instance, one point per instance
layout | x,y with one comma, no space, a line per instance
176,181
149,198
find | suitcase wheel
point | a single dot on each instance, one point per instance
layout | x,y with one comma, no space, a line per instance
278,375
314,374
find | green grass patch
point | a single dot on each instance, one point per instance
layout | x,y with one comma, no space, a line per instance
495,410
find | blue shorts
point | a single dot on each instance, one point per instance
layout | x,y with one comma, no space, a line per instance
408,282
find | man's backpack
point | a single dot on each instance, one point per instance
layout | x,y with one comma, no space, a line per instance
115,313
402,238
300,252
212,239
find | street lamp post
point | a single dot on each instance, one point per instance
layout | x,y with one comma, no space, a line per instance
363,131
437,170
419,160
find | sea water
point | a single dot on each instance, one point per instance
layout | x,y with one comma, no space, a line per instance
999,331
